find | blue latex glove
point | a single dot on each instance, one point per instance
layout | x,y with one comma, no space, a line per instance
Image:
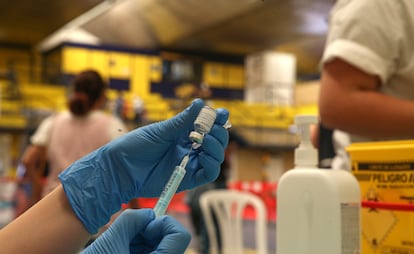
139,164
137,231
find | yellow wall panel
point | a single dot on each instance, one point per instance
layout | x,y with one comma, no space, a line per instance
119,65
155,69
214,74
235,76
75,59
100,62
140,76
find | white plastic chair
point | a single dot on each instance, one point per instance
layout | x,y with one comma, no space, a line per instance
228,206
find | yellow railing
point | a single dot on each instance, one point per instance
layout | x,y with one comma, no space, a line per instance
258,115
254,115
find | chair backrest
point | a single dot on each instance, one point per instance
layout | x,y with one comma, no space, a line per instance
228,207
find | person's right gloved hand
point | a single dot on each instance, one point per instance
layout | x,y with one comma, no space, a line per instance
138,231
139,164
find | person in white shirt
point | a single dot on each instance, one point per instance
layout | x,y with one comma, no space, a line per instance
367,84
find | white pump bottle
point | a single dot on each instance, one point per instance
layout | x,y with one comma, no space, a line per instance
318,210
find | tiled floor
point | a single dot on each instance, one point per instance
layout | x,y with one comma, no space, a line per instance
248,233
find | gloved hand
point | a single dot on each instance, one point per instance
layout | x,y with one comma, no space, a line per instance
139,164
137,231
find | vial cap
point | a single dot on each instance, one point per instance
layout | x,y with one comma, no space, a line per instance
196,137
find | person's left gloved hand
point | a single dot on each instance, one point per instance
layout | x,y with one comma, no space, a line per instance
137,231
139,164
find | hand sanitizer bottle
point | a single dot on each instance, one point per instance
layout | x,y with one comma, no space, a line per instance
318,210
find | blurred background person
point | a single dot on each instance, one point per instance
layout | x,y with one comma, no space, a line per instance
65,137
138,105
120,105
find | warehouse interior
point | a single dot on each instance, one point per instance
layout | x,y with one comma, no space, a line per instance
41,45
225,30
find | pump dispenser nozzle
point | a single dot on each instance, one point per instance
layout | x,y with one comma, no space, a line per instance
305,155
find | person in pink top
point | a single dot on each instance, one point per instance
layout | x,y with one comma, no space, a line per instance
65,137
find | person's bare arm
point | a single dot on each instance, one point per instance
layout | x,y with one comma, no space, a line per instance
314,135
50,226
350,101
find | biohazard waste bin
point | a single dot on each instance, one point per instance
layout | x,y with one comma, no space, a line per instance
385,171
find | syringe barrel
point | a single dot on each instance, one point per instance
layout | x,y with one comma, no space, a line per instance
202,125
169,190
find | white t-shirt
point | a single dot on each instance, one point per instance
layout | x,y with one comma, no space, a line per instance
68,138
377,36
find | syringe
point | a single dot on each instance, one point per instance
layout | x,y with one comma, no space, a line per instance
171,187
202,126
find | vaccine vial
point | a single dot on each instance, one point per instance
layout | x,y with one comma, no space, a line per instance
202,125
